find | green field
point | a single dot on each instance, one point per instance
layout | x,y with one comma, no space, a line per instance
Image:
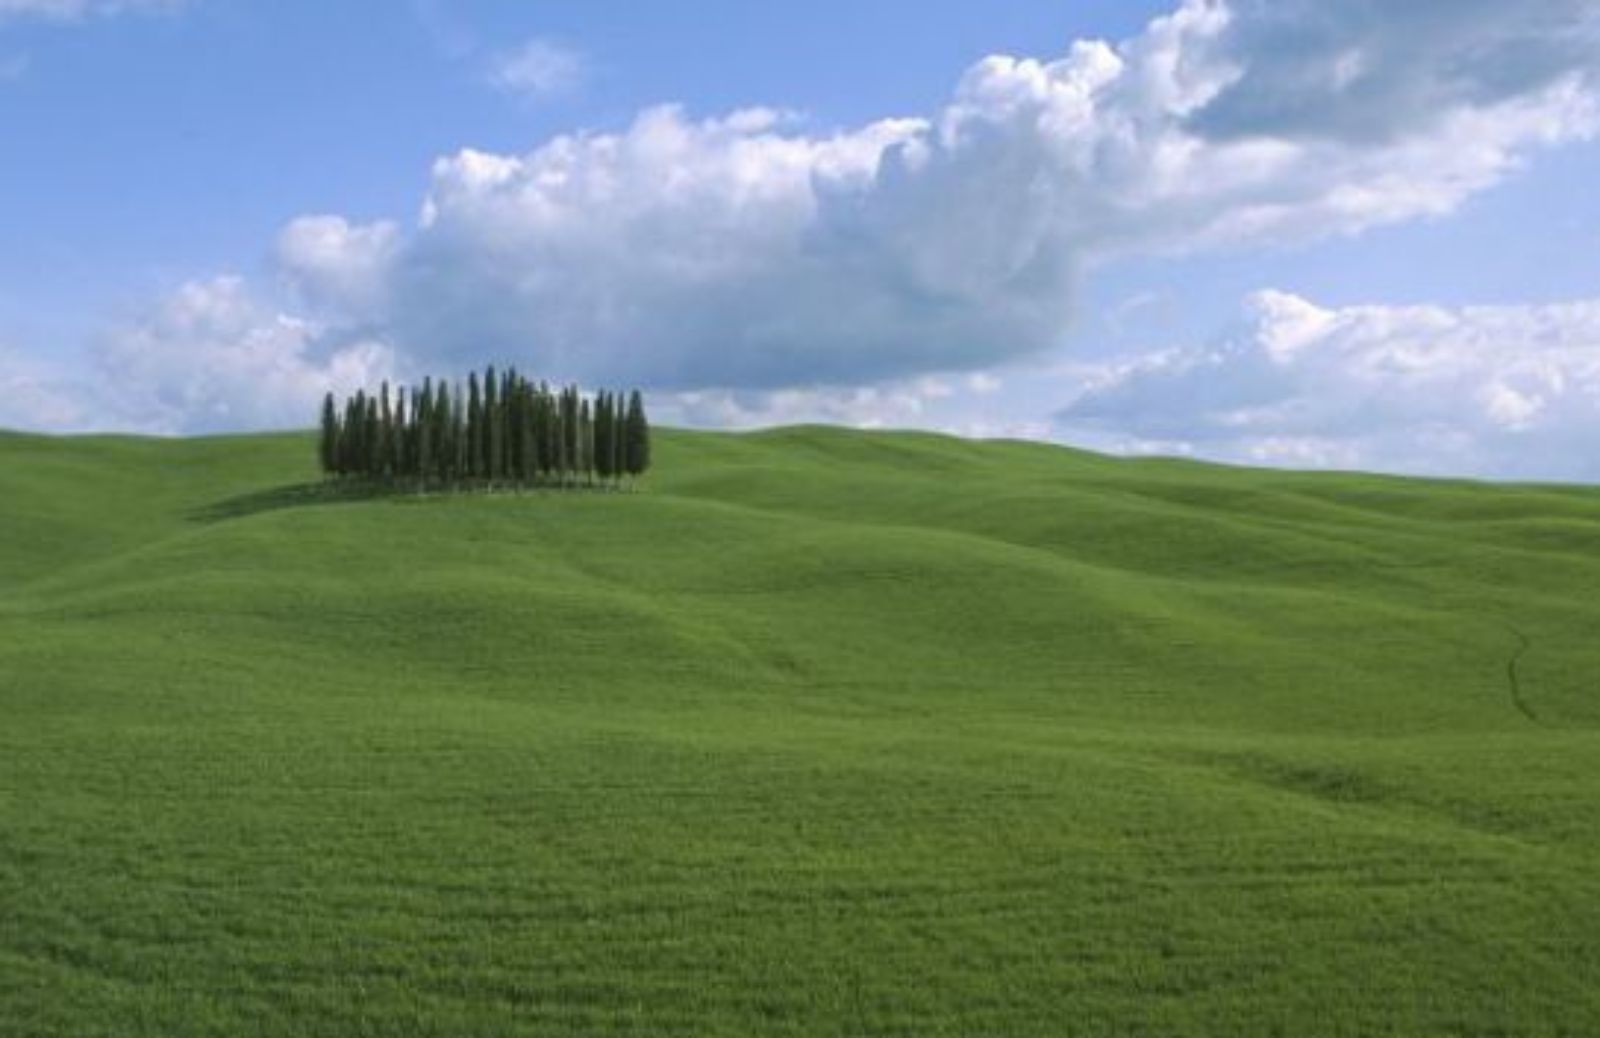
823,733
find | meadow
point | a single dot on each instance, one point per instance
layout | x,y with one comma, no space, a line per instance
820,733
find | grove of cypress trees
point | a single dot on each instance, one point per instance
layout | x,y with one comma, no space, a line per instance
501,429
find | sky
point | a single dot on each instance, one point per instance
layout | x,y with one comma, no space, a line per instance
1305,233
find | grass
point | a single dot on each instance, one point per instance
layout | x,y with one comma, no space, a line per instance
827,733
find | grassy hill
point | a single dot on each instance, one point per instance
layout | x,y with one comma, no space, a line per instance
827,733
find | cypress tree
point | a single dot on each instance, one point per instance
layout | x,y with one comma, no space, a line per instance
328,446
602,435
458,433
637,435
512,404
355,427
527,436
618,439
372,459
425,434
444,451
494,434
397,442
549,435
385,436
508,435
586,441
474,468
569,435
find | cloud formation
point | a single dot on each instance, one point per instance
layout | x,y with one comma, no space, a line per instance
210,358
749,251
754,267
1501,390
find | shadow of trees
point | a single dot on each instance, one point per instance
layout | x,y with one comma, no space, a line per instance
296,495
335,492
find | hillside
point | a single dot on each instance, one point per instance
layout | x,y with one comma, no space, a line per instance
825,733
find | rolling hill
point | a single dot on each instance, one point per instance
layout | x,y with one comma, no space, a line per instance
825,732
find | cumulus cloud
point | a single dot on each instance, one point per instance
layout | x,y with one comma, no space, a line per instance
211,357
1501,390
338,267
752,265
539,69
1388,67
751,251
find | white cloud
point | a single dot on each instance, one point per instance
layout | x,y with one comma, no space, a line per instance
336,266
750,251
935,403
539,69
36,394
210,357
754,267
1498,390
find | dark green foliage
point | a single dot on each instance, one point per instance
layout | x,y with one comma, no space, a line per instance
569,433
424,431
328,444
499,430
636,434
618,439
475,459
602,436
397,439
585,442
494,433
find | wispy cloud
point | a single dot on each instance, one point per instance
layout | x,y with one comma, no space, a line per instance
453,36
540,69
76,10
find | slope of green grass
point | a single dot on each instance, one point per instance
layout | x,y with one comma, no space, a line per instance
826,733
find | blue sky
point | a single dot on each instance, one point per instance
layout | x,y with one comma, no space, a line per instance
1300,233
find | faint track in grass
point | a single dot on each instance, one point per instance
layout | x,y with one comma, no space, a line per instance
1523,644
